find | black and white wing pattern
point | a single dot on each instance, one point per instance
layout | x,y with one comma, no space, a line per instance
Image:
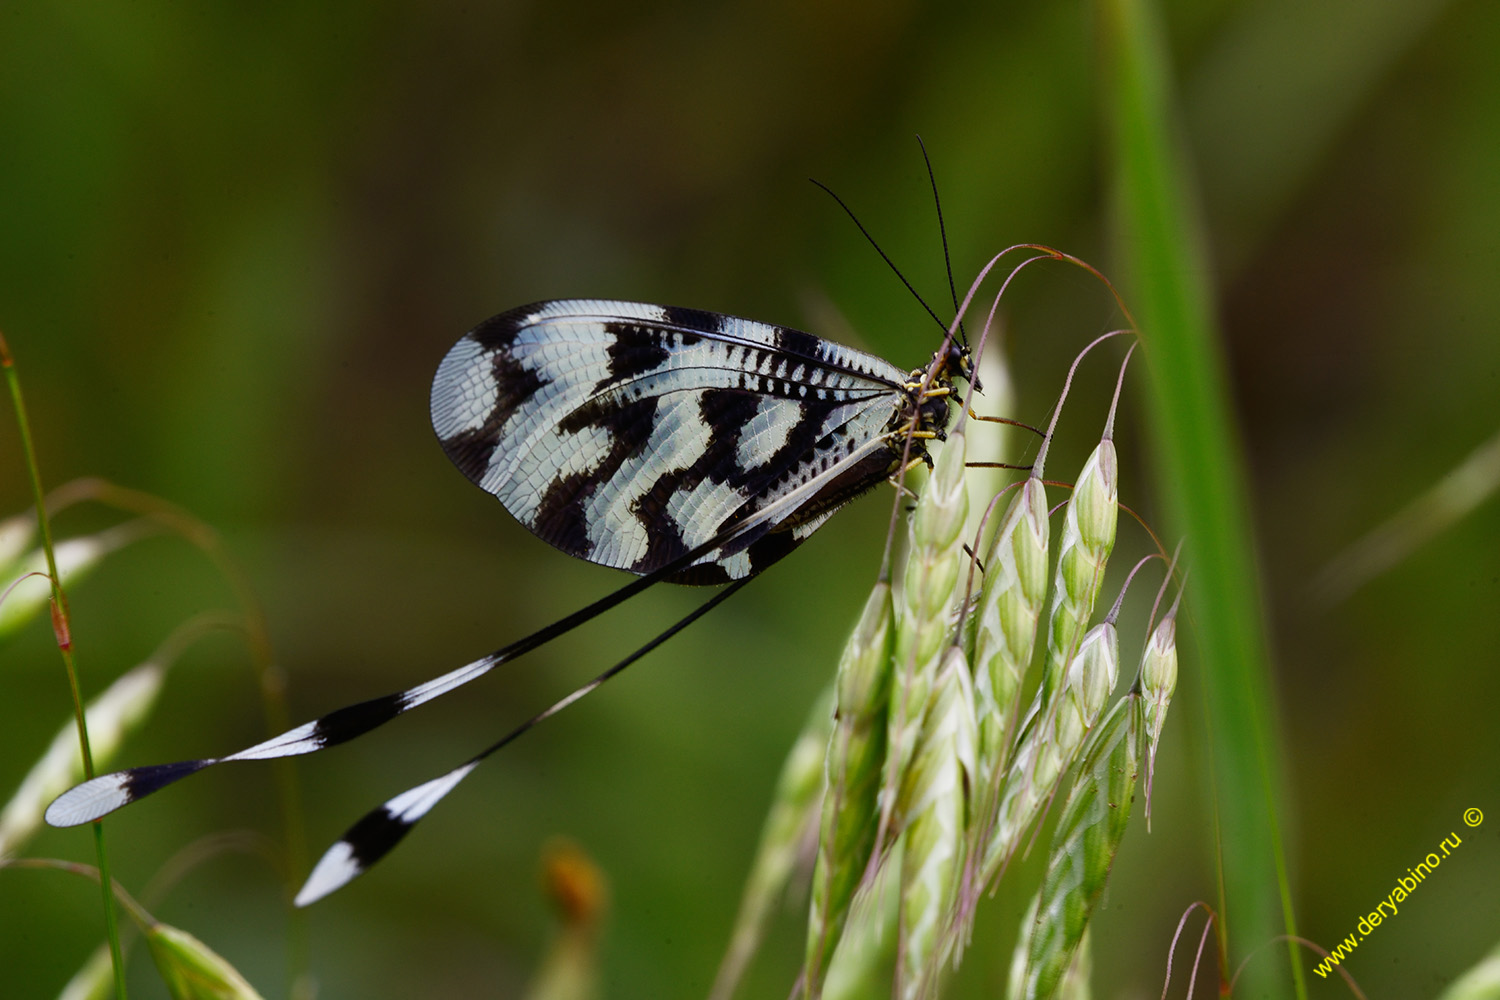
630,434
680,445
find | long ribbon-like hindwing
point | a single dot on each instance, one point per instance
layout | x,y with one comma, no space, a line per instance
383,827
677,444
100,796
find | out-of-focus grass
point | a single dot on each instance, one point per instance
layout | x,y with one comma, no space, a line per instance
1166,269
236,242
1162,255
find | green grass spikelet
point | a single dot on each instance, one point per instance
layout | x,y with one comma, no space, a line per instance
856,753
934,806
1083,851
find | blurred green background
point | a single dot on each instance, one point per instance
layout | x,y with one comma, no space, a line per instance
235,240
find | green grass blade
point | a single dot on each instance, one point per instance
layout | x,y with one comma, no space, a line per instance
65,646
1199,474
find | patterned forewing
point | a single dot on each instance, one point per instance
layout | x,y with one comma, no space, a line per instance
629,434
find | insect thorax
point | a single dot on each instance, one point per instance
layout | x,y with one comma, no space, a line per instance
925,411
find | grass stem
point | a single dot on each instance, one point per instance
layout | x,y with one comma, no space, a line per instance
1163,255
270,678
62,626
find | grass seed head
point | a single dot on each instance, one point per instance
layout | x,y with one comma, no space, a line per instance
945,781
1035,769
932,563
1088,537
1159,663
1016,981
923,625
855,757
1010,603
944,505
1006,616
1064,709
76,557
861,967
1075,982
1095,670
935,808
1158,682
1051,743
1097,497
1083,851
864,674
192,970
946,739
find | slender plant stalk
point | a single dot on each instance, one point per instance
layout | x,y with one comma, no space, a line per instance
270,678
63,627
1199,472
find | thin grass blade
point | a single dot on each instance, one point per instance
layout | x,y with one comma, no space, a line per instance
1164,269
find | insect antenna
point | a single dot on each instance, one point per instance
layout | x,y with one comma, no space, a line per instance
937,203
381,829
883,256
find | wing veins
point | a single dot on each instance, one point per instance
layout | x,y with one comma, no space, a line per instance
720,337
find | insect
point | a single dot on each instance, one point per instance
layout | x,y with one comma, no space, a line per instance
677,444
